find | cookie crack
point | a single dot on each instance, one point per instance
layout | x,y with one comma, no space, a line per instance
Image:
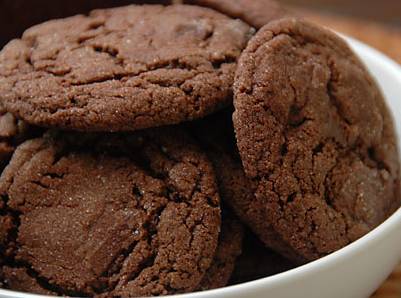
44,282
333,99
298,229
113,273
174,197
106,78
174,64
111,52
148,262
370,154
110,271
12,234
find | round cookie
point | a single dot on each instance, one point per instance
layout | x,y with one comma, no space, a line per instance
314,133
115,215
228,250
256,13
123,69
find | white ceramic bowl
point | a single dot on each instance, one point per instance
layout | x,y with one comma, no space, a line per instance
355,271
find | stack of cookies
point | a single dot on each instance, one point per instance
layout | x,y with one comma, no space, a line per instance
151,150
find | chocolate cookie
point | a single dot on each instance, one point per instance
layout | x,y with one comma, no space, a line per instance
20,280
257,261
123,69
6,227
216,134
110,215
256,13
314,133
228,250
12,132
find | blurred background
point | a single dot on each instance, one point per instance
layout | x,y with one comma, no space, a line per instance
17,15
375,22
386,11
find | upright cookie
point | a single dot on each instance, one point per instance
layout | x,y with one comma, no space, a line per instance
314,132
114,215
256,13
123,69
229,248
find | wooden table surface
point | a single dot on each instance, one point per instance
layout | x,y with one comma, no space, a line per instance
382,37
388,40
384,11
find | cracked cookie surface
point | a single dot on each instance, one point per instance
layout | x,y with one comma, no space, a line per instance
229,248
315,134
216,135
109,215
123,69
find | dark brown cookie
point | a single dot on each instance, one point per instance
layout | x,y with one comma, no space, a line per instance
6,225
228,250
115,215
123,69
314,133
12,132
216,134
6,228
19,280
257,261
256,13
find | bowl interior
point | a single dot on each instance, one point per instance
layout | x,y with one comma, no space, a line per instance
388,75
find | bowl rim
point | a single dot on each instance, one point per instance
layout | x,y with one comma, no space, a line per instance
363,50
